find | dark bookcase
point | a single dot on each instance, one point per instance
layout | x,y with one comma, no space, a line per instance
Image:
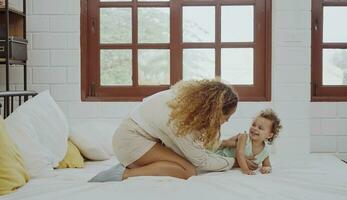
13,48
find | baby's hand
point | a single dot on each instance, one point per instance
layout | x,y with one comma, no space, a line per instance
265,170
248,172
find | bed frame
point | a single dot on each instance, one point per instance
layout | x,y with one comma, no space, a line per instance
8,99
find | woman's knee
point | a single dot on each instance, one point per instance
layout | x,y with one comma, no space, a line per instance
171,169
182,172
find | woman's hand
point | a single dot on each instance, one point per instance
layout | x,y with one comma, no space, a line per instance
231,142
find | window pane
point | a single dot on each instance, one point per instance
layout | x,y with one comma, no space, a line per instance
237,23
154,25
237,66
334,66
115,67
198,24
198,63
333,28
115,25
154,67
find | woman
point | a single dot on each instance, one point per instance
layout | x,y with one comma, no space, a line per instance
173,133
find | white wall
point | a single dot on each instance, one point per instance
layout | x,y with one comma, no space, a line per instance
54,64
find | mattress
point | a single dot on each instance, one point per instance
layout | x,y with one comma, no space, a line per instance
296,177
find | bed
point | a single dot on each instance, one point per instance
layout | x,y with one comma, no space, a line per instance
294,177
308,176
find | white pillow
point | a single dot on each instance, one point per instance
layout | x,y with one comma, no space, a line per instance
40,130
94,139
35,158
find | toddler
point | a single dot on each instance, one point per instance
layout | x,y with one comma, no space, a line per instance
264,129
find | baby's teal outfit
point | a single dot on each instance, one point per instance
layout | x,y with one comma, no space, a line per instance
259,158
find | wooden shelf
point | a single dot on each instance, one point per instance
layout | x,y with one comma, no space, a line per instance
16,23
13,24
13,37
12,62
12,10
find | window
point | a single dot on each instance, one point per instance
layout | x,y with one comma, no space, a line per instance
132,49
329,50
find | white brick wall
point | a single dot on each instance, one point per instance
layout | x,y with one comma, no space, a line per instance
49,75
38,23
38,58
341,144
323,144
54,63
291,73
342,110
49,41
65,58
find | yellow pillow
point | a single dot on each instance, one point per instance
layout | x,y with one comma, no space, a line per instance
13,173
73,158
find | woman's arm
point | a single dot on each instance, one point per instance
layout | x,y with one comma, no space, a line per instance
231,142
200,157
240,154
266,168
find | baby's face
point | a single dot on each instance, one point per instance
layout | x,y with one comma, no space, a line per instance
261,129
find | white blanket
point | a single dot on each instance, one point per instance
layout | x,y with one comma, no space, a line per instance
310,177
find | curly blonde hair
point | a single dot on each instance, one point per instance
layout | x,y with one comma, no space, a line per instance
276,123
199,106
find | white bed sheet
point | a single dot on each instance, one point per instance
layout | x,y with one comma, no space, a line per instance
305,177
